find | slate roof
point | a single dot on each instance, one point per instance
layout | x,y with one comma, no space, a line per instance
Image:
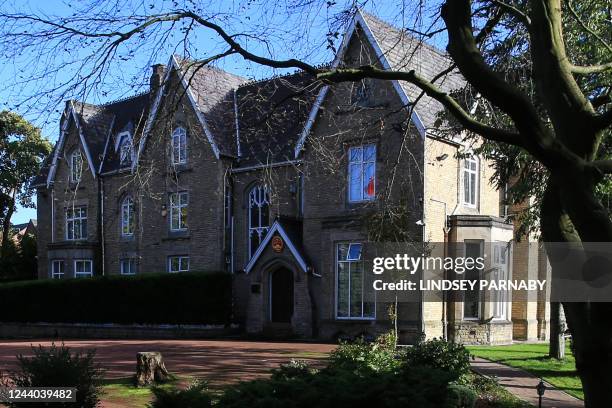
405,52
271,116
213,90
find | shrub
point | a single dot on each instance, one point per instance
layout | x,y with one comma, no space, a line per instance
293,369
380,355
460,396
451,357
339,388
58,367
194,396
181,298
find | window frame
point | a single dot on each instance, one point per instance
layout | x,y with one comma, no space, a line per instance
125,139
180,259
337,262
465,173
174,207
500,307
480,272
258,198
178,144
76,153
362,163
128,202
132,266
74,219
83,274
62,264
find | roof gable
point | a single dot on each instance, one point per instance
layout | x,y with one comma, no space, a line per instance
277,228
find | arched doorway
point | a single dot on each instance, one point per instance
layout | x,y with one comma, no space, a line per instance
281,295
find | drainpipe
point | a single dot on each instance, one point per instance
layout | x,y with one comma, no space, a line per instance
102,224
446,230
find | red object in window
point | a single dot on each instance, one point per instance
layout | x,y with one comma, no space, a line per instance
370,187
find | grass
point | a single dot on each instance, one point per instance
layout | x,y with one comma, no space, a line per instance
534,359
122,392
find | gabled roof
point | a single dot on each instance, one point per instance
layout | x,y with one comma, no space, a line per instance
396,50
270,115
291,238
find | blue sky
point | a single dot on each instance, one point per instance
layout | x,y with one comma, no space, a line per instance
289,32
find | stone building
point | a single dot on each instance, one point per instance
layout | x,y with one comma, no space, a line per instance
279,182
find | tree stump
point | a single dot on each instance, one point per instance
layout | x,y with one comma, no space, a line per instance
150,368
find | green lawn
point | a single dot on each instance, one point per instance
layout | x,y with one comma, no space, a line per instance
534,358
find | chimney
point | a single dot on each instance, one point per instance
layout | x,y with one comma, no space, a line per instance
157,77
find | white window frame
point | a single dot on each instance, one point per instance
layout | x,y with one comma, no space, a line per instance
177,201
259,200
74,220
500,271
181,260
127,217
179,146
62,269
337,290
76,166
361,164
131,266
83,274
466,172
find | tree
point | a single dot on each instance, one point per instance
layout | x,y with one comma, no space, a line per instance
557,128
22,149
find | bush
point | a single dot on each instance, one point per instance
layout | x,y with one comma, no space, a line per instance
58,367
339,388
293,369
181,298
380,355
194,396
460,396
451,357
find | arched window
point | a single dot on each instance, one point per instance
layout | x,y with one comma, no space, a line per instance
127,217
179,146
76,166
259,216
125,151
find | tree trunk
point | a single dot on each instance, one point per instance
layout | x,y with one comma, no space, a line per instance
6,223
150,368
557,331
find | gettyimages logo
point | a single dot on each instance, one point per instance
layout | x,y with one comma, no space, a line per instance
487,271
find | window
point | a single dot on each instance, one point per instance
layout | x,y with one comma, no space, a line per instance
57,269
125,150
499,298
83,268
127,266
259,216
76,166
362,94
362,173
178,264
76,223
127,217
471,299
354,291
179,146
178,211
470,181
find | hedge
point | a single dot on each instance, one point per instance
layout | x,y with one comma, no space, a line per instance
182,298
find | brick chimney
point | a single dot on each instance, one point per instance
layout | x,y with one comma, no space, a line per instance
157,77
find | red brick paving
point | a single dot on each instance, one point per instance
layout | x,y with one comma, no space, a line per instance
218,361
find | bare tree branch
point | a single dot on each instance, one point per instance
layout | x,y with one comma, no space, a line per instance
591,69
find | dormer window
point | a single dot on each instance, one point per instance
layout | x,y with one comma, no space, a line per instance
362,94
76,166
124,148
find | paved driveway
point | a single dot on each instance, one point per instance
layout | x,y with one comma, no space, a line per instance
219,361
